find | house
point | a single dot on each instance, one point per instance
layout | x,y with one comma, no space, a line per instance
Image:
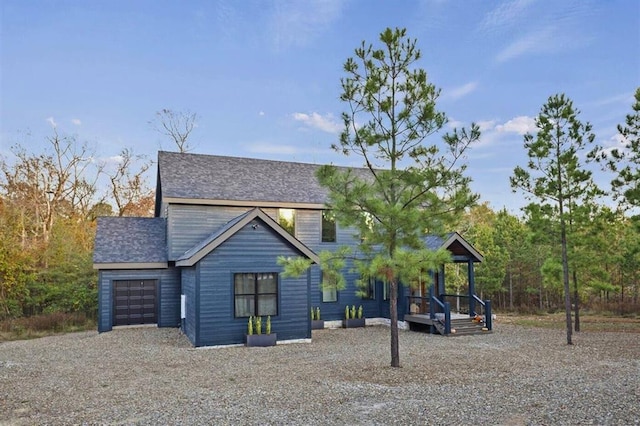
208,259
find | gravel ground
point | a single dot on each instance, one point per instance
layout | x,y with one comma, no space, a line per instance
147,375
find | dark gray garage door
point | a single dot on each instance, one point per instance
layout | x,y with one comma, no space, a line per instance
134,302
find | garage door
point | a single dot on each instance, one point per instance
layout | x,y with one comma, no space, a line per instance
134,302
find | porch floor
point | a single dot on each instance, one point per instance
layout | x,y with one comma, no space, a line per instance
425,319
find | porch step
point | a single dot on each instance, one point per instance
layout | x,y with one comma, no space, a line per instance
463,327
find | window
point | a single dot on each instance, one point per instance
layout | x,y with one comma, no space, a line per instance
255,294
328,294
287,219
385,291
368,290
328,227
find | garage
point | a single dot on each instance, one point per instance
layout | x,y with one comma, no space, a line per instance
134,302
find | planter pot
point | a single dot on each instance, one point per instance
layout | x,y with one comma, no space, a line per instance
317,324
353,323
261,340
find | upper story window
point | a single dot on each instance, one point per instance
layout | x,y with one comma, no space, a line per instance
287,219
328,227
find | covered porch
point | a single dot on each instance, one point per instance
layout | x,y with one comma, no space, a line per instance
431,309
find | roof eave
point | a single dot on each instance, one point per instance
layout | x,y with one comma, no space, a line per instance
130,265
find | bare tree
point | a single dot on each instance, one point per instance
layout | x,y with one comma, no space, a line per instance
60,182
177,125
128,188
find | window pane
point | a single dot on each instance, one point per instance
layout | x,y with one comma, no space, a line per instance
369,289
245,306
287,219
268,304
244,283
328,227
267,283
330,295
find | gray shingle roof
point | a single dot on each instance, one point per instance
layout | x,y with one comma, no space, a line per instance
130,240
455,244
213,177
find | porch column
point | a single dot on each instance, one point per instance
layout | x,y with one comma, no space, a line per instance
472,287
441,289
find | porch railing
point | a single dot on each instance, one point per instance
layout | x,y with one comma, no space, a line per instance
418,305
445,309
485,309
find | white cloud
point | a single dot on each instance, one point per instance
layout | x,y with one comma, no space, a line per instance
270,148
326,123
52,122
261,113
296,23
506,14
486,125
520,125
76,121
116,159
461,91
534,42
452,123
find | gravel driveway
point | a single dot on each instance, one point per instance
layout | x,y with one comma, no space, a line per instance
152,376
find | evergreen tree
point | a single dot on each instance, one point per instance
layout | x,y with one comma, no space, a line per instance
409,186
554,176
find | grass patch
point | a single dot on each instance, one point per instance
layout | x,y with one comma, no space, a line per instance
44,325
588,322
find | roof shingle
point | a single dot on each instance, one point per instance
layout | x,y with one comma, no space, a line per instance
130,240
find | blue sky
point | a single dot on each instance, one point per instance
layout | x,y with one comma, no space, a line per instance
264,76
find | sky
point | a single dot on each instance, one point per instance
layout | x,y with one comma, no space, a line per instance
264,76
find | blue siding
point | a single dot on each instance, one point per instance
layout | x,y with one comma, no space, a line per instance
187,225
168,294
189,290
308,230
249,250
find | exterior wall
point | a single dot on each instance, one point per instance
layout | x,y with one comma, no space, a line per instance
190,224
190,291
308,230
168,294
249,250
187,225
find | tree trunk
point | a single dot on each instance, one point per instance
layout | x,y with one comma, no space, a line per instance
393,308
510,290
565,276
576,301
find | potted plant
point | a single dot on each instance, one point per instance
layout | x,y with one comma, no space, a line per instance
352,317
316,322
255,337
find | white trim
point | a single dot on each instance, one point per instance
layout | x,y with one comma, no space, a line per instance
237,345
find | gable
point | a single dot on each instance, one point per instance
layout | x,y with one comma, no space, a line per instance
456,245
251,218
